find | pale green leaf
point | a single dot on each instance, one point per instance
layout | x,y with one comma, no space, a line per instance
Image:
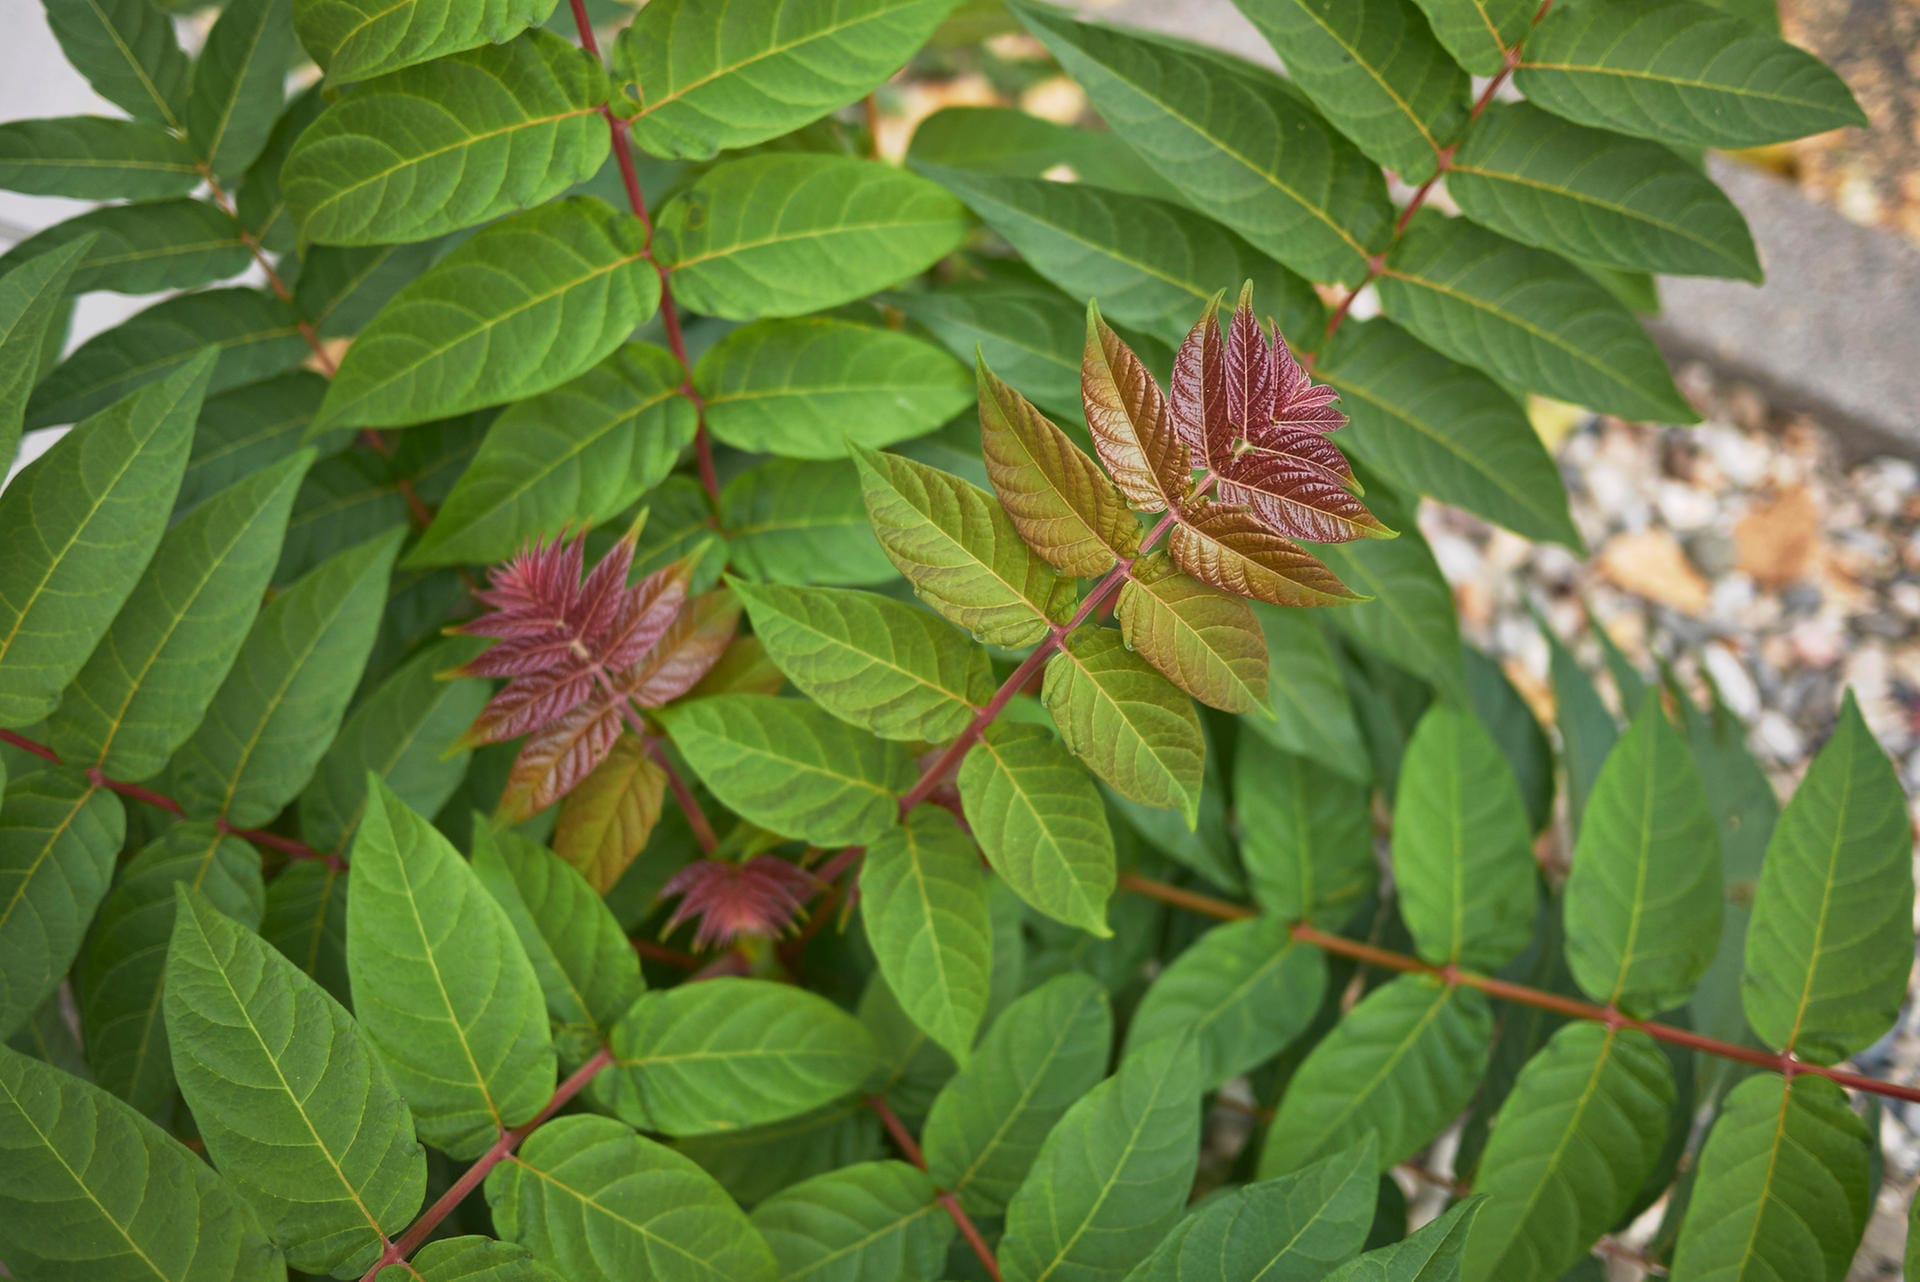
355,39
1478,33
1126,722
791,521
1312,715
874,1222
145,249
239,83
59,837
1306,836
127,51
923,902
33,303
94,158
1038,818
1206,642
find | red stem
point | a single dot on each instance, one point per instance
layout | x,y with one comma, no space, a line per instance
661,953
911,1149
689,804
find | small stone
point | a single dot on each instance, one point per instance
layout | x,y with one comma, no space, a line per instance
1747,407
1775,737
1817,643
1713,551
1730,676
1742,459
1904,597
1685,508
1801,598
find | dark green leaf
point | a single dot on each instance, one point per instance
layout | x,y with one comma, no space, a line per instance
146,249
248,430
94,158
59,836
1411,620
127,51
468,1259
1508,718
1433,1254
239,82
306,919
1478,33
801,522
355,39
1306,837
1006,140
1312,715
923,901
33,302
875,1222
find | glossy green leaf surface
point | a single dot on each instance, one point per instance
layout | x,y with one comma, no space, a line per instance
355,39
923,901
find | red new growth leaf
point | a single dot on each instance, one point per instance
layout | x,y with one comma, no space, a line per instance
762,896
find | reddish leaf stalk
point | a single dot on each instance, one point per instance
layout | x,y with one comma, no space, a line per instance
911,1149
661,953
683,795
1782,1062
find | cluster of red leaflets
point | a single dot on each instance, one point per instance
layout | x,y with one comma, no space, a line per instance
760,896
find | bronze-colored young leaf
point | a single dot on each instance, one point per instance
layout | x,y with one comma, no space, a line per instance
606,820
1127,415
1230,549
1297,496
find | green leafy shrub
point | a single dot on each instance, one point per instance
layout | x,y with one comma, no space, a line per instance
502,754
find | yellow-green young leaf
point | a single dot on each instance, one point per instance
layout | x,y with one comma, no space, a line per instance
1831,937
127,51
281,703
82,520
1575,1139
923,900
800,522
584,1191
91,1189
1312,715
782,234
1057,497
585,452
1238,143
1007,140
1306,837
355,39
1431,425
960,551
1038,818
1151,264
1784,1188
791,767
1126,721
1206,642
1243,991
468,1259
1113,1175
1682,73
1376,71
709,77
297,1112
239,82
1402,1064
148,682
1046,1050
145,248
1529,318
870,660
1597,197
1643,903
805,388
121,973
729,1053
1478,33
59,837
871,1221
1432,1254
523,306
607,817
450,144
94,158
587,970
33,300
1462,850
440,983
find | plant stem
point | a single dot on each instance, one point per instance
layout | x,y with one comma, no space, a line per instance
689,804
1782,1062
911,1150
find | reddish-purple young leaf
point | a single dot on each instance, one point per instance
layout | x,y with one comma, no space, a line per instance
1247,368
527,704
1299,404
699,635
1197,401
1230,549
1128,418
1309,447
762,896
1298,498
643,614
559,755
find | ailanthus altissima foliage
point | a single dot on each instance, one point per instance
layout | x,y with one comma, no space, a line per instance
551,730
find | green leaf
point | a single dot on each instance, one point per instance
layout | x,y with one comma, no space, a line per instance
341,288
59,837
1009,141
1462,850
1784,1188
1597,197
1039,821
1580,1131
306,919
441,985
239,82
250,429
1831,937
1239,145
1478,33
923,901
1507,717
1443,429
146,249
281,703
875,1222
1529,318
1206,642
1643,901
1306,837
782,234
583,1191
1312,715
755,1163
960,551
82,520
727,1053
1243,990
89,1188
1682,73
127,51
1402,1064
454,143
1433,1254
33,299
1587,730
585,966
1151,264
1126,721
801,522
807,388
583,452
120,975
1411,619
1375,70
872,661
468,1259
1046,1050
521,307
355,39
94,158
791,767
151,678
1113,1175
254,334
296,1111
1293,1228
